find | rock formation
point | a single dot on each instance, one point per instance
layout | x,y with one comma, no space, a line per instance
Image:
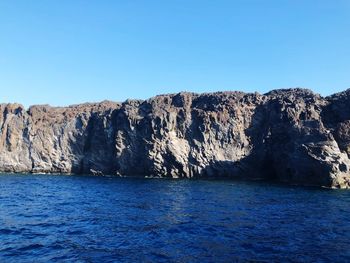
292,136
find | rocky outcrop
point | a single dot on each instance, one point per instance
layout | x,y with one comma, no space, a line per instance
292,136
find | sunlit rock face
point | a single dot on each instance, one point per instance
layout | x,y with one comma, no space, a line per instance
292,136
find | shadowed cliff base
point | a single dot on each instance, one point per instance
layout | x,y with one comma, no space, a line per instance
291,135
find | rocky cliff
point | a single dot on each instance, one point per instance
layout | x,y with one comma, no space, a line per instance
292,136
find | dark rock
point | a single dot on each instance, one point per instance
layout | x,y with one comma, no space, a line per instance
292,136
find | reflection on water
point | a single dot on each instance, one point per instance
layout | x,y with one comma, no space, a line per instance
97,219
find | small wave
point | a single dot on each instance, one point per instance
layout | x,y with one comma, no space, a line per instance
30,247
6,231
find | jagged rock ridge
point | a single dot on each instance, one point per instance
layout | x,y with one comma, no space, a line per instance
292,136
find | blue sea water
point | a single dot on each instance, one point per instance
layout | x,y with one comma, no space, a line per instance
52,218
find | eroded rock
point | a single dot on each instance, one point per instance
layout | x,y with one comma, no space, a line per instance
292,136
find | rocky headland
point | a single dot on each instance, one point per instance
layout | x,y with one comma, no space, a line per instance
292,135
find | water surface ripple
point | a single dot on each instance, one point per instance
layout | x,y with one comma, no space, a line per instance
48,218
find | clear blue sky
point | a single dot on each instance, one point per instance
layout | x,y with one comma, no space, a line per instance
70,51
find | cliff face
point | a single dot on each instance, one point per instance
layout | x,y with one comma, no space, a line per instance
293,136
